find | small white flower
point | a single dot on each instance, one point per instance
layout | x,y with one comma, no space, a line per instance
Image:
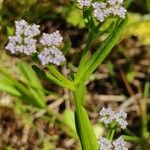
120,118
97,5
120,144
107,115
118,11
103,10
32,30
105,144
23,41
18,44
20,25
24,29
51,55
112,2
51,39
100,11
84,2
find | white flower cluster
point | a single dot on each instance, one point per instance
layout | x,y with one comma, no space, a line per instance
120,118
102,10
84,2
108,116
23,41
118,144
113,7
51,39
105,144
51,54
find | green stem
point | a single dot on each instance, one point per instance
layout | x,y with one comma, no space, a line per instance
79,124
110,134
83,126
103,51
84,57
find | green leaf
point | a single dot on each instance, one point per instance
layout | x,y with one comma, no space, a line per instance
29,74
24,91
68,117
47,76
83,126
103,51
85,130
9,89
64,80
31,79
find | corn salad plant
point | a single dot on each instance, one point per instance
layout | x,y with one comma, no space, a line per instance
100,17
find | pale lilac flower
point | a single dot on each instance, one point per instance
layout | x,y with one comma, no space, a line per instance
20,26
112,2
120,144
106,115
23,41
102,10
25,29
120,118
84,2
105,144
18,44
51,55
51,39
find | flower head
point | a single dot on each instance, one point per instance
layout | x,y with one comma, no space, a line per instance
23,28
51,39
18,44
112,2
107,115
120,144
120,118
84,2
51,55
105,144
102,10
23,41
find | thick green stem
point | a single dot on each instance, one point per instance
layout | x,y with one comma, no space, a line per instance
83,126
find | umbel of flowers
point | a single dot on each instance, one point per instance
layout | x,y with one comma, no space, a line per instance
108,117
103,10
118,144
26,40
